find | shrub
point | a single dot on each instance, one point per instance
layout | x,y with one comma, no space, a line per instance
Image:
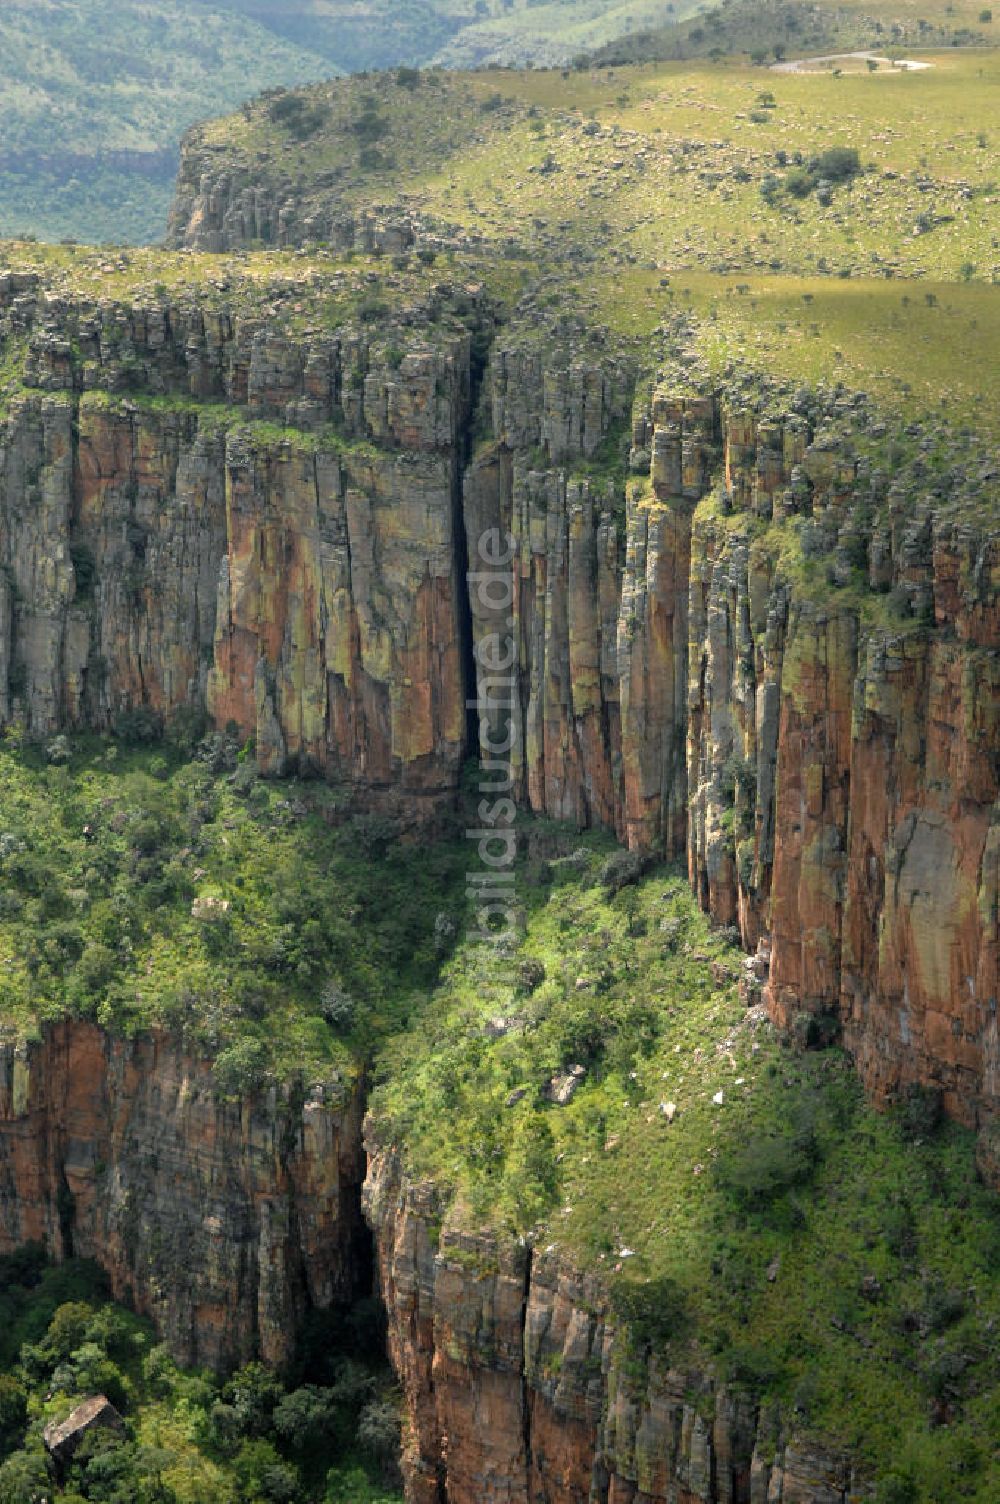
652,1313
799,182
239,1068
338,1007
621,870
838,163
897,1488
766,1166
751,1368
85,570
299,118
921,1111
306,1418
379,1437
13,1411
264,1475
58,752
24,1479
137,727
530,976
95,968
67,1329
370,127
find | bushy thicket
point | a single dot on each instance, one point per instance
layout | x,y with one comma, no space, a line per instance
324,1432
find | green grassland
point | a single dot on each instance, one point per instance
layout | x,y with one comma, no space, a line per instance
326,1431
628,195
96,96
770,29
677,166
550,34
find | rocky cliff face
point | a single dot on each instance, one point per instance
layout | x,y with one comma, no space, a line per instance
819,733
516,1393
220,205
214,543
764,654
221,1220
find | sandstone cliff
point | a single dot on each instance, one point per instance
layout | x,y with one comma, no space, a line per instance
758,650
223,1221
820,737
516,1391
267,529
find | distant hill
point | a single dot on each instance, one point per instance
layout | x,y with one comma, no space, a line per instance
95,94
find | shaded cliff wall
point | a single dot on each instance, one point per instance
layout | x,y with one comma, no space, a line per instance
267,531
600,602
223,1221
515,1393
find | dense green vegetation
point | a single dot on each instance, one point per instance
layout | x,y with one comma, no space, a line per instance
756,1173
326,1431
721,1181
140,887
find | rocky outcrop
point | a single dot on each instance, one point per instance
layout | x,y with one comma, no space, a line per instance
516,1393
225,206
843,769
222,1220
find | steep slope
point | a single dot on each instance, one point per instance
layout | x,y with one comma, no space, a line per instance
181,577
750,613
223,1221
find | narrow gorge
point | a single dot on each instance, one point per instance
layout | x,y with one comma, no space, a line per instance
761,638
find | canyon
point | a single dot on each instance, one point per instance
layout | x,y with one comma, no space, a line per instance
748,647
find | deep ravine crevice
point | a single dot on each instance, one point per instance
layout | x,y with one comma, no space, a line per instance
479,359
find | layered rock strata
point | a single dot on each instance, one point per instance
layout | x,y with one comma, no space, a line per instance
515,1394
284,561
735,662
223,1221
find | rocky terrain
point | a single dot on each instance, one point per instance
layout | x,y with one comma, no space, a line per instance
746,644
221,1221
750,486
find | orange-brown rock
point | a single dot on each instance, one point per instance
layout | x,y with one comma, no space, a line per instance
515,1394
299,584
834,779
599,607
221,1220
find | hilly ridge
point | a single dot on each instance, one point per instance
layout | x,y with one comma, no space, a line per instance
96,95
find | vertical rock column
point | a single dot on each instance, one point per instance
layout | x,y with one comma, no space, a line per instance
653,624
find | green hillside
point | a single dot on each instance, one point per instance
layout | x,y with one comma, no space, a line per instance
95,94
